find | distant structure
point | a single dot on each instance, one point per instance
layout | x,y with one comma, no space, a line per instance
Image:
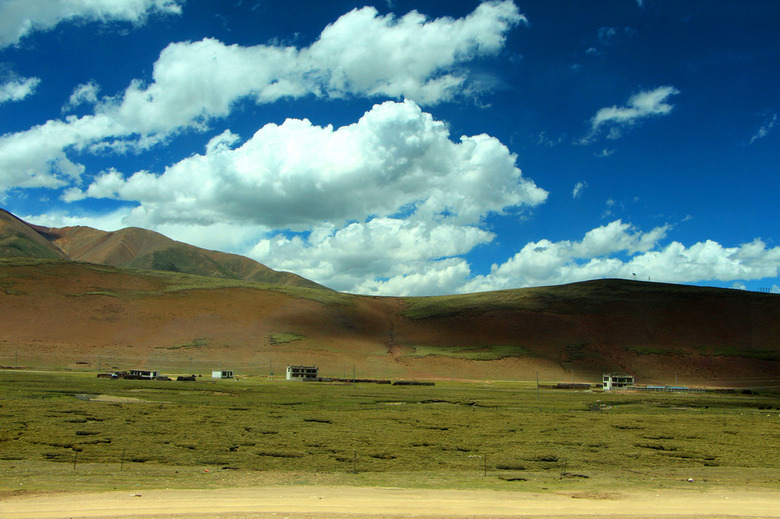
144,374
674,389
617,381
222,373
302,372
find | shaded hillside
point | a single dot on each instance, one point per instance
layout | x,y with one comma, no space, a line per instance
78,314
652,329
134,248
20,240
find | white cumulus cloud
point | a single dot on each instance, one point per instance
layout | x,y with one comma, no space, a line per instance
18,89
19,18
410,56
195,82
368,207
362,54
617,250
295,175
378,256
86,93
38,158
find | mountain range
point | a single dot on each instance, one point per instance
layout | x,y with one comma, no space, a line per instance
83,298
133,248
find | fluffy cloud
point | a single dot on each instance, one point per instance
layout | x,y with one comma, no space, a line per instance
86,93
409,57
440,277
18,89
396,158
361,54
196,82
18,18
709,260
412,257
617,250
38,158
640,106
376,205
393,257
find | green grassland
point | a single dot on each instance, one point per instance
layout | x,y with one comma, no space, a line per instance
54,428
471,352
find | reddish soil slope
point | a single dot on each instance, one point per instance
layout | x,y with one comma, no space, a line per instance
134,248
78,315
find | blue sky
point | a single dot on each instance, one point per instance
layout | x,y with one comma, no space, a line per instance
407,148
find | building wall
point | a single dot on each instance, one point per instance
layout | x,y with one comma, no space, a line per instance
302,372
615,381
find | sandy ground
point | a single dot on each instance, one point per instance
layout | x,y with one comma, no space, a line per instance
386,503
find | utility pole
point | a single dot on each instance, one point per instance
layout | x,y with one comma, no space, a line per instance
537,386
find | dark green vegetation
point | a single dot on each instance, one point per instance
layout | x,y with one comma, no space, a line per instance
472,352
510,432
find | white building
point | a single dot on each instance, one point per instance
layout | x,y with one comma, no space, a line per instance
617,381
302,372
223,373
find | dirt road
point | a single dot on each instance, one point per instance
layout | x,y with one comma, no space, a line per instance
296,502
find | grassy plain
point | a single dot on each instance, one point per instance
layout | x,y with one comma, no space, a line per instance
58,430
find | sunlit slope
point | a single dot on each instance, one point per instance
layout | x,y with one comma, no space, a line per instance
135,248
66,312
143,249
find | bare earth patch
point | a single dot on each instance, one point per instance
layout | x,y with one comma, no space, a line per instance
389,503
113,399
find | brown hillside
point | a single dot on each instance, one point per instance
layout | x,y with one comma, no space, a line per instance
139,248
75,315
19,240
133,248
